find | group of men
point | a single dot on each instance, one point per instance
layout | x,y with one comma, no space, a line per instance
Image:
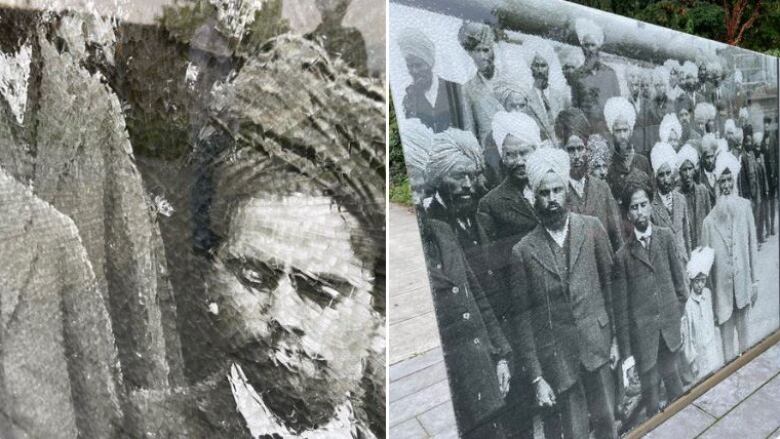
557,226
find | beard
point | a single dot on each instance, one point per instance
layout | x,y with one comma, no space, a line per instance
726,208
304,397
578,171
553,216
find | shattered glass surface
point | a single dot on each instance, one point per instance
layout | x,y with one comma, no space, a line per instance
192,219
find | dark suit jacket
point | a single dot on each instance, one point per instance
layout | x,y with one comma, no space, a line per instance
699,207
649,296
619,175
706,183
448,111
645,133
677,221
598,202
769,148
471,338
560,327
504,217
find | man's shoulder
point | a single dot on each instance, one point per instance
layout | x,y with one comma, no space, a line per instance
662,233
529,241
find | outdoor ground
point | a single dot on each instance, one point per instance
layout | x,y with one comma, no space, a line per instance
746,405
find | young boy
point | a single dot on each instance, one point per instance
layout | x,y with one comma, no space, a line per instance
701,345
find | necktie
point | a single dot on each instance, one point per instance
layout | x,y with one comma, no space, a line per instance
545,101
645,241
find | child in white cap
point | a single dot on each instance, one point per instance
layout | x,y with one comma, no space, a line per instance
701,338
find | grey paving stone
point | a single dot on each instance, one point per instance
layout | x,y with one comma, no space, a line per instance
755,418
731,391
412,365
438,420
410,429
417,381
687,423
420,402
412,337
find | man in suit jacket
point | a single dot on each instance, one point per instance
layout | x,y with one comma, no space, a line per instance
475,349
645,134
710,146
689,83
505,215
649,298
730,230
544,103
670,209
438,103
60,372
696,195
769,149
591,196
561,287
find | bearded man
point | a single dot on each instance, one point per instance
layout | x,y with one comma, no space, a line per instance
544,104
438,103
696,195
587,195
670,208
627,165
476,352
595,82
710,146
505,216
730,230
561,276
685,109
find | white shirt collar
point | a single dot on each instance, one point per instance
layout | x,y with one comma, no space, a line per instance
647,233
559,236
528,194
261,421
433,92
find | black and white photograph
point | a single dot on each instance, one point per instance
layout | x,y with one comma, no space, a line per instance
192,232
597,202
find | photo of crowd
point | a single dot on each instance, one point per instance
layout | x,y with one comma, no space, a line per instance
599,226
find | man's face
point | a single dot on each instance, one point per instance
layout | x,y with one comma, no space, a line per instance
698,284
293,300
634,84
660,88
701,126
621,132
684,116
674,139
726,183
459,187
420,71
708,159
589,47
645,85
540,71
598,169
733,140
691,82
687,173
664,178
484,58
516,102
575,147
639,210
674,78
568,69
514,154
551,201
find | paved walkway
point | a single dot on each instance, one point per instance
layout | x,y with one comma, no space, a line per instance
746,405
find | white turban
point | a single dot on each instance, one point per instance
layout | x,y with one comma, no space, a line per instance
687,152
586,27
668,124
519,125
662,74
700,262
709,141
505,87
723,145
743,113
661,154
450,148
414,42
618,108
704,111
417,140
726,160
690,68
546,160
729,127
